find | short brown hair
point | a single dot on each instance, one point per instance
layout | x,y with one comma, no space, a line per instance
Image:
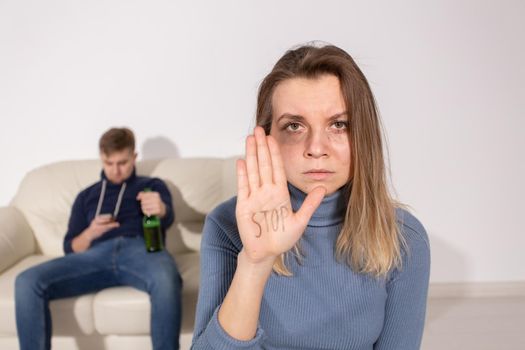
116,139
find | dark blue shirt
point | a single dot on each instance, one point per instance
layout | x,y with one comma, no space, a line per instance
129,215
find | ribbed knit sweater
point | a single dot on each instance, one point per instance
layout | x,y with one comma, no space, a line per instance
324,305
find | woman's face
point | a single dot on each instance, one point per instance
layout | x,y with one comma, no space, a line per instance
310,122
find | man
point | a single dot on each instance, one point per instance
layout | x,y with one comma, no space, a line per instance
104,248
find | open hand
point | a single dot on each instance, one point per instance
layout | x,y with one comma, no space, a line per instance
267,225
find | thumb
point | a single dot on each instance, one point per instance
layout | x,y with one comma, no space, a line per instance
139,195
310,204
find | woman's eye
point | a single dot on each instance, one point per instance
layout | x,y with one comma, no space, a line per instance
293,126
340,125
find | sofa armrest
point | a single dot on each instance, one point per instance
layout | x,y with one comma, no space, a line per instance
16,237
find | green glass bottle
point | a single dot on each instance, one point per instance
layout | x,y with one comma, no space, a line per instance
152,232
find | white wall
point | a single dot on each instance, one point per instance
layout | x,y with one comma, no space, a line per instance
448,77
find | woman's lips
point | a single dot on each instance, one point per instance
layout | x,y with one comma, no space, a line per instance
318,174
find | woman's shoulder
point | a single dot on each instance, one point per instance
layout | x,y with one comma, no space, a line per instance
411,228
415,248
221,224
224,213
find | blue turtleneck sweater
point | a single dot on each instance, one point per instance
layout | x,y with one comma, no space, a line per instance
129,213
324,305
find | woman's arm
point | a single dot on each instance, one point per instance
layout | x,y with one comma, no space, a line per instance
220,247
407,291
239,313
262,195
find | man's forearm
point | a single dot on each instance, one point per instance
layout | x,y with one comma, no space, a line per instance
82,242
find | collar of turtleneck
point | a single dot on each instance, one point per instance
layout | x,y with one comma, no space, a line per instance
331,211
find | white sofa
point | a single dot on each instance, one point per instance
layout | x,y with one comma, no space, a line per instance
32,228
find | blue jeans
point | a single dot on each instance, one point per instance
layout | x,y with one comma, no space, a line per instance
116,262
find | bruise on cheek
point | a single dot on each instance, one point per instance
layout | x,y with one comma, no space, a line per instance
286,138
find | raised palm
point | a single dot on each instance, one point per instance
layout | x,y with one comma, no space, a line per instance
266,222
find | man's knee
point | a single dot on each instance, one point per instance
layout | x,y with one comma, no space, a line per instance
167,279
27,281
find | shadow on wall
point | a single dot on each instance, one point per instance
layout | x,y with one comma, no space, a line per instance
445,261
159,147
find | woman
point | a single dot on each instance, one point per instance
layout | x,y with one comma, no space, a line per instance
313,253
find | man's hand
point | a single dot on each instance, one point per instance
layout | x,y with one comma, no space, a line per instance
151,204
99,225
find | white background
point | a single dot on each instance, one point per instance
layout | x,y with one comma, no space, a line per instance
448,77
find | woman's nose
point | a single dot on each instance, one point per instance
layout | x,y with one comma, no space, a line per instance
316,145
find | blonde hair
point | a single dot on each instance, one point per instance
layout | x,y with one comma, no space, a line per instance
369,241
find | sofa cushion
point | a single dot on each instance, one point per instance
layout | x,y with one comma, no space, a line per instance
16,237
70,316
122,310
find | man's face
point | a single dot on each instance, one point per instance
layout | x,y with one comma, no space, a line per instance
118,165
